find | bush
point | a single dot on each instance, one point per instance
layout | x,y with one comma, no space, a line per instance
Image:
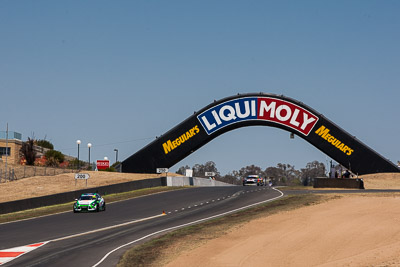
111,169
73,164
44,143
54,158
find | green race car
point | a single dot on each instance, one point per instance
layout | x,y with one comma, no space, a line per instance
89,202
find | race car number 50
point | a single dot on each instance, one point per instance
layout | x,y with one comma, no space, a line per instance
82,176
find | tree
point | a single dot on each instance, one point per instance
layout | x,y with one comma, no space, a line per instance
74,163
44,143
199,170
231,178
54,158
182,170
283,174
28,152
250,170
312,170
273,173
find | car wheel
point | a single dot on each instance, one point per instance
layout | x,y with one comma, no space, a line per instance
104,207
97,208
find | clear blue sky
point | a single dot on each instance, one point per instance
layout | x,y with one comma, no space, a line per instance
118,73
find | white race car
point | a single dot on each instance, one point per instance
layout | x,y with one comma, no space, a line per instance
253,180
89,202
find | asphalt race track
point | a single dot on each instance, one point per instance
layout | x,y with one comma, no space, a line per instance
120,224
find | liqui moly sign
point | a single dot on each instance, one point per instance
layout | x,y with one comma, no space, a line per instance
258,108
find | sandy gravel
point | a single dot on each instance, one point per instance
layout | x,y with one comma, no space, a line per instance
351,231
46,185
355,230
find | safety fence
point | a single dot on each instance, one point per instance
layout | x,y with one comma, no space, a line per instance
19,172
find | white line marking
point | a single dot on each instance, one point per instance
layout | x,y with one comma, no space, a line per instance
186,224
105,228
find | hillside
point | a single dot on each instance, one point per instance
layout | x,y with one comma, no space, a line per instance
46,185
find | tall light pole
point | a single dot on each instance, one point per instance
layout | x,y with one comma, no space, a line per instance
89,145
116,154
5,175
78,142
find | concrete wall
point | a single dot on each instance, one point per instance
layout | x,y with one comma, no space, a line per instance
193,181
31,203
338,183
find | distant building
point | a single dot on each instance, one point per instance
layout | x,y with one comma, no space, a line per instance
13,147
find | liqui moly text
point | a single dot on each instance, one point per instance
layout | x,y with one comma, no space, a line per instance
258,108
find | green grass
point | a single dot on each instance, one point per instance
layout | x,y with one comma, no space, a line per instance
48,210
161,250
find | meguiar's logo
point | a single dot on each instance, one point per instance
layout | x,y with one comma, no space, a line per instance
171,145
258,108
324,133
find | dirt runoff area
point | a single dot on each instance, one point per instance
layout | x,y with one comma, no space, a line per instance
46,185
353,230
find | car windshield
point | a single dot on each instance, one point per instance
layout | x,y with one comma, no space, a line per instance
89,197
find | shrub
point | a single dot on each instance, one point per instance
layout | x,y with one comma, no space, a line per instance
111,169
54,158
44,143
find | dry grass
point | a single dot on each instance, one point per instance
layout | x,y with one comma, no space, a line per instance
381,181
47,185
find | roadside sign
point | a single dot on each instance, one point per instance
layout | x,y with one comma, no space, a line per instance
102,164
189,173
82,176
210,174
162,170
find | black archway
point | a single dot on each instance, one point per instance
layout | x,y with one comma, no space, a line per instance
257,109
